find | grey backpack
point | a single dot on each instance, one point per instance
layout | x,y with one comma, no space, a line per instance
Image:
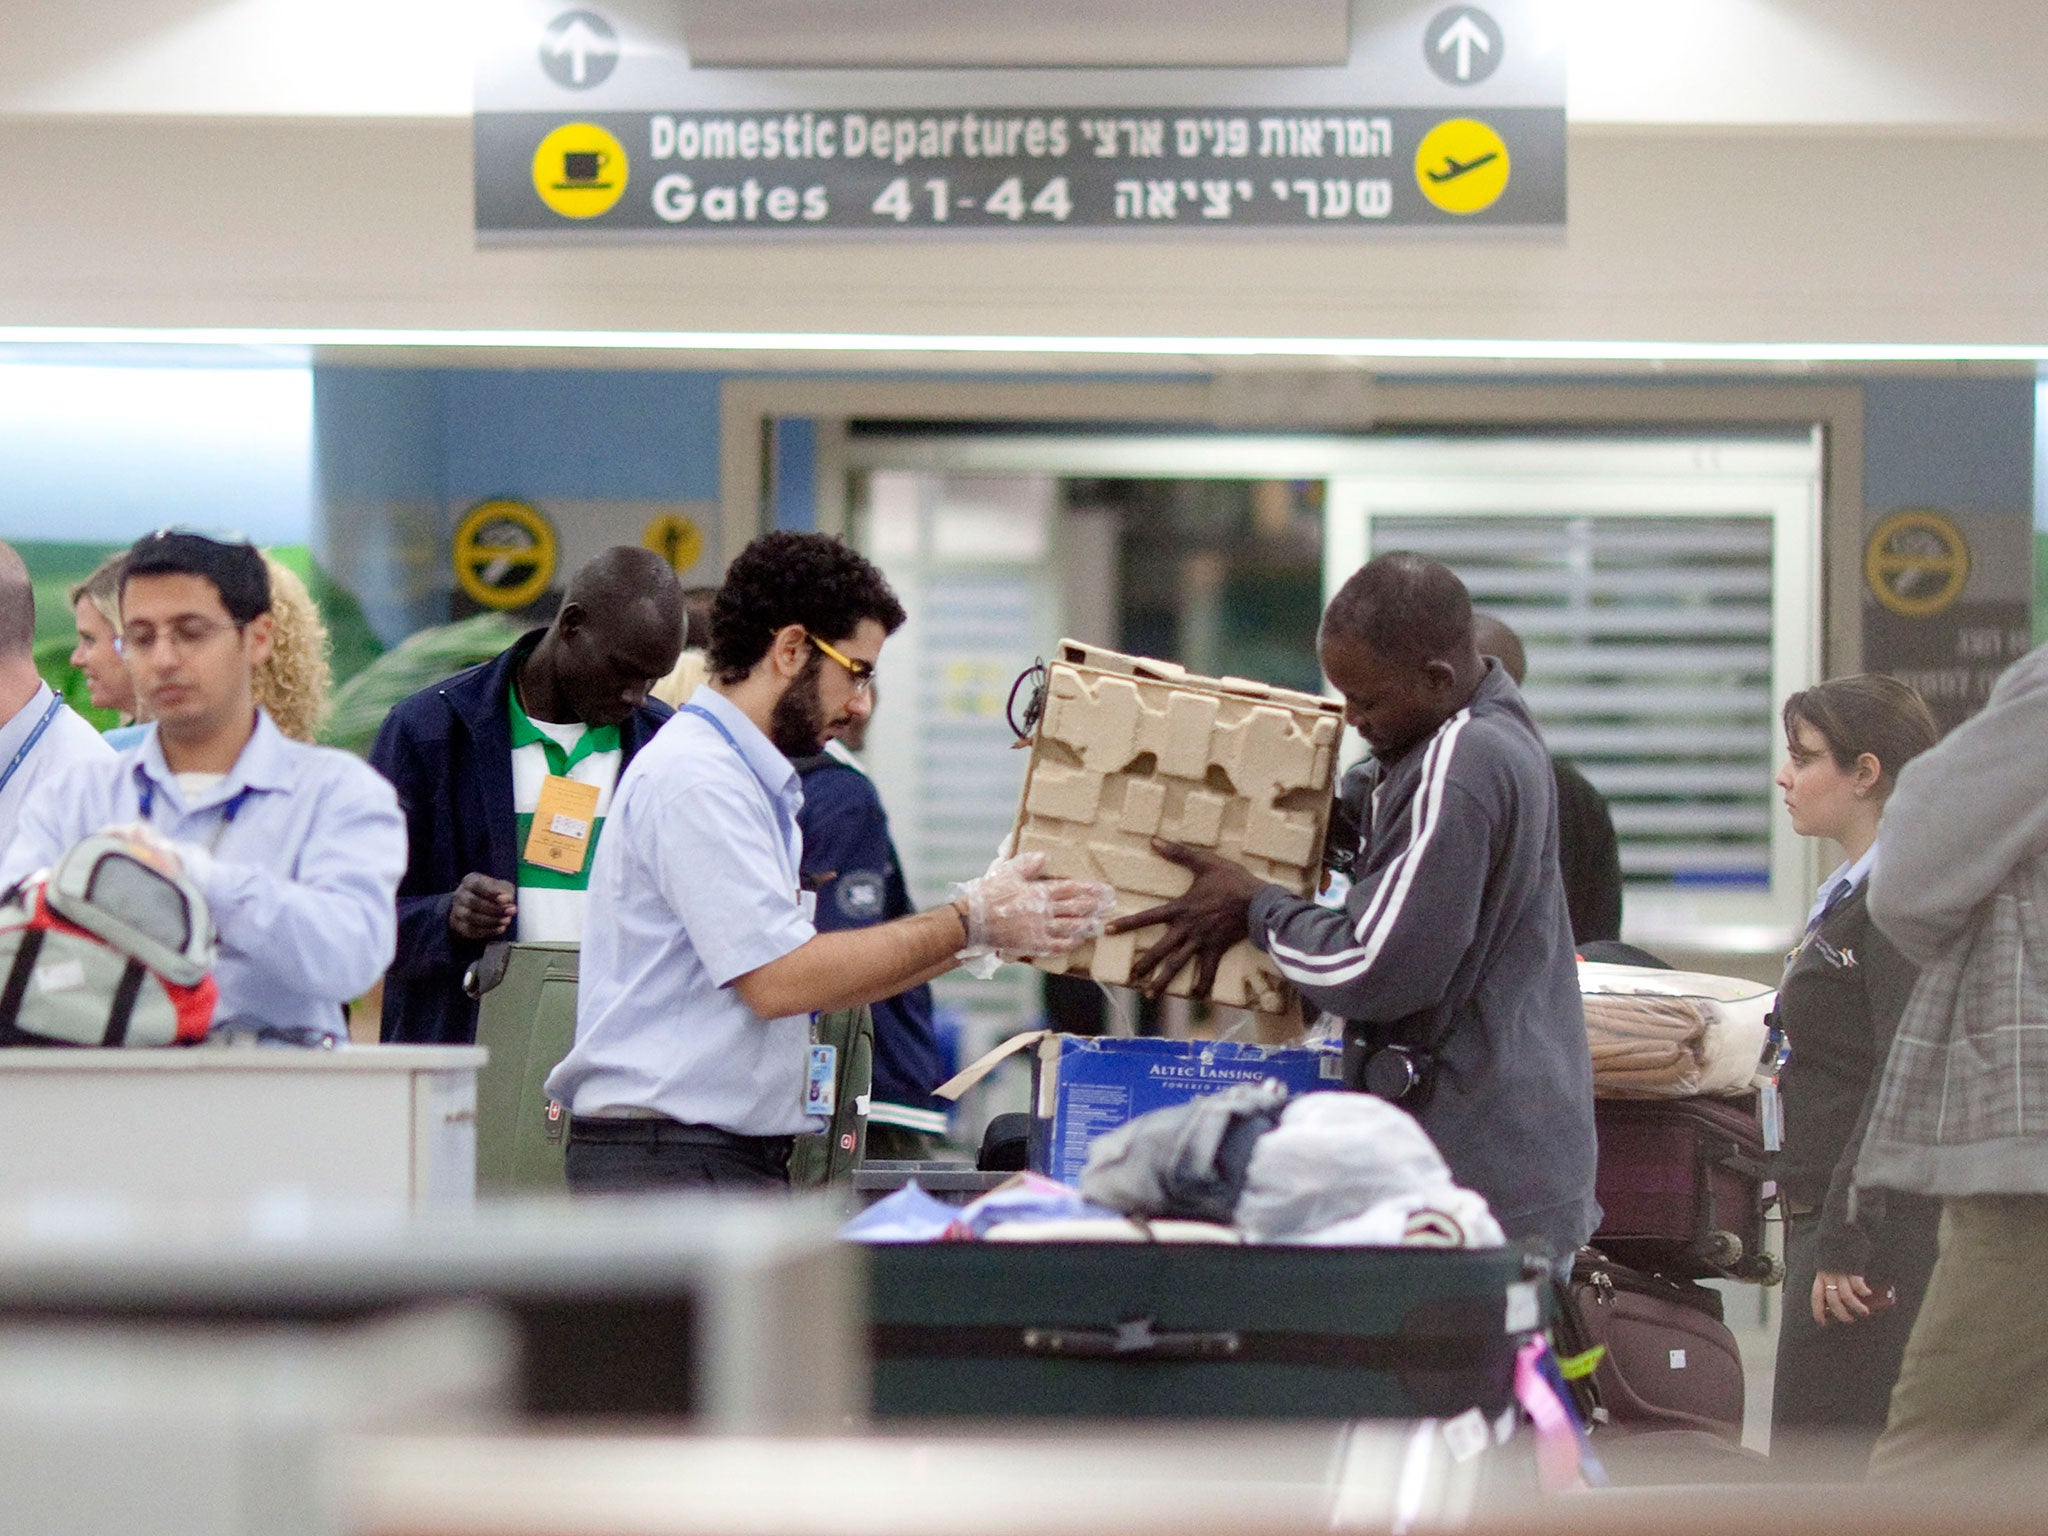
108,949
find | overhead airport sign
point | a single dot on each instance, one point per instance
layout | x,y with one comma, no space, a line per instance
591,126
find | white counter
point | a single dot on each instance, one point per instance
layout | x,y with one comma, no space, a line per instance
360,1123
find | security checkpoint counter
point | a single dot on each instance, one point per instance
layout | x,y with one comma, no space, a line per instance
236,1122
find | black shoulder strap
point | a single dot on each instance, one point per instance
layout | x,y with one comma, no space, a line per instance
17,978
17,988
123,1012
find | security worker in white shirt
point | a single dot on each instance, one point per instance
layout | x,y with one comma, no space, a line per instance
701,969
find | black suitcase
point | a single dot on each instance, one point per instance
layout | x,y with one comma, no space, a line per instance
1680,1184
1197,1331
1670,1363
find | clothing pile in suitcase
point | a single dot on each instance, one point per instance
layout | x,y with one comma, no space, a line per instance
1683,1182
1251,1253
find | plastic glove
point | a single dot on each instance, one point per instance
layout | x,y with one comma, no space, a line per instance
1015,909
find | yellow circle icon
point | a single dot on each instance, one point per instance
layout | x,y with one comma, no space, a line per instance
1462,165
1917,563
504,554
676,539
580,170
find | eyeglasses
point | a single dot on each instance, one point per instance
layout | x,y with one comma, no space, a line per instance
183,635
862,672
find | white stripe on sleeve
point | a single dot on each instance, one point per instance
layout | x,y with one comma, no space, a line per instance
1384,911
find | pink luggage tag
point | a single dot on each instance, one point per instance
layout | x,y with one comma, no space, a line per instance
1558,1463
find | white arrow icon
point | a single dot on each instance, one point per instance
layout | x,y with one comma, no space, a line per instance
577,43
1463,34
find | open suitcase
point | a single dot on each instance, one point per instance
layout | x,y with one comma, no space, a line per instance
1681,1187
1197,1331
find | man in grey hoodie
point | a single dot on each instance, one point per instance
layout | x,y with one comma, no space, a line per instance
1962,1112
1451,961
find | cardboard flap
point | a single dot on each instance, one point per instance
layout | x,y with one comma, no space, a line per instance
968,1076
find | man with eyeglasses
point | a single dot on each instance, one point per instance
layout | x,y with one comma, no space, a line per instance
41,737
702,967
506,772
298,849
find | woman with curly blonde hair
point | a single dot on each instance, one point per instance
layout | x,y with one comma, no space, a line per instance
295,686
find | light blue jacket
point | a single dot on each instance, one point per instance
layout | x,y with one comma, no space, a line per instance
298,851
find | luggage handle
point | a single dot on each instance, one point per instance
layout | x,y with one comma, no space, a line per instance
488,970
1747,1167
1134,1337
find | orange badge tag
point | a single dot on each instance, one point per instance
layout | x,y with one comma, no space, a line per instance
562,824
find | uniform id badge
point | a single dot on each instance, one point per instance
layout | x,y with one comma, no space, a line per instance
821,1082
1771,1115
562,823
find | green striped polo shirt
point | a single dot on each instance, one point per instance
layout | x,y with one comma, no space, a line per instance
550,902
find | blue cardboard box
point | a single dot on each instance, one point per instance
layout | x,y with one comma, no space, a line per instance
1084,1086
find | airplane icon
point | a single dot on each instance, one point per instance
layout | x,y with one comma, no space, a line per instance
1453,169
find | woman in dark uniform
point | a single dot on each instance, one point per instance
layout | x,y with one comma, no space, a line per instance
1852,1286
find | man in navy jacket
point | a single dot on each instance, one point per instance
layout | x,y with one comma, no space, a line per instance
575,697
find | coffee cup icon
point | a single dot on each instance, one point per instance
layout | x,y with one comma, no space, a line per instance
583,165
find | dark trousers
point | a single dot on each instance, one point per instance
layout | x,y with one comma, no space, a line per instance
614,1157
1836,1382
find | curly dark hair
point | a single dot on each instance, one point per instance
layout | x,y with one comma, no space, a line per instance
794,578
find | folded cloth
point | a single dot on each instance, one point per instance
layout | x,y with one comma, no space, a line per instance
1025,1198
1446,1218
1187,1160
1671,1034
908,1216
1333,1156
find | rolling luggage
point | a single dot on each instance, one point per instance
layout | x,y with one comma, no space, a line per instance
1197,1331
1670,1361
526,1021
1680,1183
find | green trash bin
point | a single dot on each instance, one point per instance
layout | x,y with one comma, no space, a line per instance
526,1020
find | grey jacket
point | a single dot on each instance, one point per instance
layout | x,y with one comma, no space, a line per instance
1962,888
1455,935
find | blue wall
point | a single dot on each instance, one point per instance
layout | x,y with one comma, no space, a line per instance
1964,450
584,435
1964,445
404,452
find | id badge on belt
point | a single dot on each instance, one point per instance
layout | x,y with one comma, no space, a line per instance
821,1077
821,1074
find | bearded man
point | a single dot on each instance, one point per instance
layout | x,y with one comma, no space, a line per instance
702,966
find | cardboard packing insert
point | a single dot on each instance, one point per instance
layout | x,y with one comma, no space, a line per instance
1128,749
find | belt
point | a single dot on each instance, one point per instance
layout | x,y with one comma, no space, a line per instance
642,1133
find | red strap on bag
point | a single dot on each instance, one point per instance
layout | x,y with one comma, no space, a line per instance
193,1006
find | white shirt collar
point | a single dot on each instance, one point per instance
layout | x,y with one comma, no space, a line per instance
1855,872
